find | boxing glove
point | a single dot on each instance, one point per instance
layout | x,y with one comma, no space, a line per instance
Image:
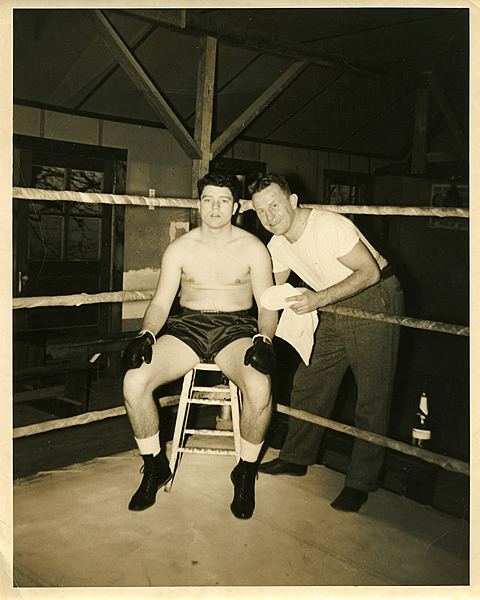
138,350
261,355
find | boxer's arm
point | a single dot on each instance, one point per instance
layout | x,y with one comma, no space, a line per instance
261,355
139,350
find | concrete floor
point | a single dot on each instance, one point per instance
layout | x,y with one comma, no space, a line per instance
72,528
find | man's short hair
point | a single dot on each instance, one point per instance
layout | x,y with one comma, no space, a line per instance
265,180
220,180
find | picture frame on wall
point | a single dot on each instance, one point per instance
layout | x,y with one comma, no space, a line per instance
449,195
347,188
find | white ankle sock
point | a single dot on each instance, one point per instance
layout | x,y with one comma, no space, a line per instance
249,452
150,445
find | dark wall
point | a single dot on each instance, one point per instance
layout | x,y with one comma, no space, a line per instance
433,265
430,254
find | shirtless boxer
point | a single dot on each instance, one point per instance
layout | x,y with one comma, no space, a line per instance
219,269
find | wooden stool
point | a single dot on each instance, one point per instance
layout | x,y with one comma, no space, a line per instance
192,393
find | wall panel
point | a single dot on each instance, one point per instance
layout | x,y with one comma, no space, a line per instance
26,120
83,130
155,160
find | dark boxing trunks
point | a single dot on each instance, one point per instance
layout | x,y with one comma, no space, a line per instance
209,332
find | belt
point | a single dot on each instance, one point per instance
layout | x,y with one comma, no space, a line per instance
386,272
240,313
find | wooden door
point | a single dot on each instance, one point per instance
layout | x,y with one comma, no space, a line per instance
63,248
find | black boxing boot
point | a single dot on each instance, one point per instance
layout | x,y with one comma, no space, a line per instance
243,478
156,474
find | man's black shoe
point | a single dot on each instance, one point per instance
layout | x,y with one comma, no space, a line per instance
349,499
156,473
282,467
243,478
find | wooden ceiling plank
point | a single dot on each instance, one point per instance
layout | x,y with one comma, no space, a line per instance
303,105
204,108
366,124
257,107
143,82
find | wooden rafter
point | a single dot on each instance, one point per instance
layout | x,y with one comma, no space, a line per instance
79,71
257,107
143,82
113,67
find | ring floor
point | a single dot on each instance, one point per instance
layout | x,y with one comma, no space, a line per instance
72,528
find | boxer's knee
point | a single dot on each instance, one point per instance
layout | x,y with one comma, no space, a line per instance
136,387
256,390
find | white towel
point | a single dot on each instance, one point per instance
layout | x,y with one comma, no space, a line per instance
297,330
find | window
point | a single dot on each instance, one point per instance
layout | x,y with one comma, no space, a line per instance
65,230
345,187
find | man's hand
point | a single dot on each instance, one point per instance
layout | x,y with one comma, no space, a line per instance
261,355
138,350
307,301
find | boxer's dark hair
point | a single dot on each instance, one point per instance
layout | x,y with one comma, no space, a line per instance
220,180
265,180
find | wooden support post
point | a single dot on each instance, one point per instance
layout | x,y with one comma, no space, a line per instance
419,149
204,108
452,121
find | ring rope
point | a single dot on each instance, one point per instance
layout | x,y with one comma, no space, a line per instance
83,419
79,299
130,296
399,320
129,200
96,198
404,211
450,464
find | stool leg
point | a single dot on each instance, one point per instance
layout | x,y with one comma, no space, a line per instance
180,424
235,398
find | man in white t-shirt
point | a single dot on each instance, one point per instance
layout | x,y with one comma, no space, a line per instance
328,252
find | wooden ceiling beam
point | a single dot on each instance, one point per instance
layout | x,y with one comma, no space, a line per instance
257,107
253,39
143,82
175,17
